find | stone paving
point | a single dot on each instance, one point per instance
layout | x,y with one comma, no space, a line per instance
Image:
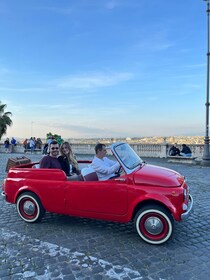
62,247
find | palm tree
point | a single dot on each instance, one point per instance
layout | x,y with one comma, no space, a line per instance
5,120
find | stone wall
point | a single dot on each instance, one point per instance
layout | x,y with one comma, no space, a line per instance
143,150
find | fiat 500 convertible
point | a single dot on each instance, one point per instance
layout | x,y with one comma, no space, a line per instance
152,196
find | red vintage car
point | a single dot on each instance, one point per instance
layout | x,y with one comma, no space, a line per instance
153,196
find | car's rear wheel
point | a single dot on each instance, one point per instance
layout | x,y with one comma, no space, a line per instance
29,207
154,224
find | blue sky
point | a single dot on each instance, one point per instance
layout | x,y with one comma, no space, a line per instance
103,68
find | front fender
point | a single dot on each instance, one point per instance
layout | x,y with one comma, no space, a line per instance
157,198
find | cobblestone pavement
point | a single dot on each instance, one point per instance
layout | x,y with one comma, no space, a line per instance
62,247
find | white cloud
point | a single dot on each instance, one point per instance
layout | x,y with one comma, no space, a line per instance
58,10
91,81
111,4
3,71
155,40
23,90
201,65
153,46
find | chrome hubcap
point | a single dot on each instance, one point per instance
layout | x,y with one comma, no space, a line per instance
29,208
153,225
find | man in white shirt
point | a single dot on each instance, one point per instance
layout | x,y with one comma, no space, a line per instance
104,167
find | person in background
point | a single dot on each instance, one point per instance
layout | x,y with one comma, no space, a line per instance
25,144
185,152
44,151
174,151
13,143
32,145
104,167
47,145
68,160
38,143
6,145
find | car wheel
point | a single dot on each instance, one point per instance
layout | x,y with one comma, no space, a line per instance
154,224
29,207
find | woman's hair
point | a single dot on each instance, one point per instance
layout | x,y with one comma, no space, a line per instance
71,157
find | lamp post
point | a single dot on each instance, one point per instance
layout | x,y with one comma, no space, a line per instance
206,156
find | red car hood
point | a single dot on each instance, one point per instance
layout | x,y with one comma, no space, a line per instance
152,175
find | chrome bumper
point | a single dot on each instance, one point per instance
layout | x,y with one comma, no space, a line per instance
186,214
3,194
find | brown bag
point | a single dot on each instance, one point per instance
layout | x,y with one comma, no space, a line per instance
12,162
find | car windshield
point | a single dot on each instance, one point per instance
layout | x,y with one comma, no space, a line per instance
128,156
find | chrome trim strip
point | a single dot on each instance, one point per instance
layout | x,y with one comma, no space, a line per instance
120,179
186,214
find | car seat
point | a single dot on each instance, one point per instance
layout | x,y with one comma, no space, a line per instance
89,174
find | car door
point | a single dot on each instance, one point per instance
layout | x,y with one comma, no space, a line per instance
105,197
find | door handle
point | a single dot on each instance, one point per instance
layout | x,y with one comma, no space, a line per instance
120,179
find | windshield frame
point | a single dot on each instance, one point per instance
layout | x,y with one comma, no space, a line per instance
127,157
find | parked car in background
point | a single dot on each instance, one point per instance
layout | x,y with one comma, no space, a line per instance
154,197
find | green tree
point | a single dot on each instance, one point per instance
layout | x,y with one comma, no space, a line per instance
56,137
5,120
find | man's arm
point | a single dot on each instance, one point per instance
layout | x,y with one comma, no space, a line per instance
100,167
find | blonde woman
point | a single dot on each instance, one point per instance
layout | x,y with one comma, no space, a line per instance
68,160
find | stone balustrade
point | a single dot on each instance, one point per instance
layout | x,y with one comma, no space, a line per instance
143,150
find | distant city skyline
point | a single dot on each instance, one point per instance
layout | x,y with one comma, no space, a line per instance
108,68
144,140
